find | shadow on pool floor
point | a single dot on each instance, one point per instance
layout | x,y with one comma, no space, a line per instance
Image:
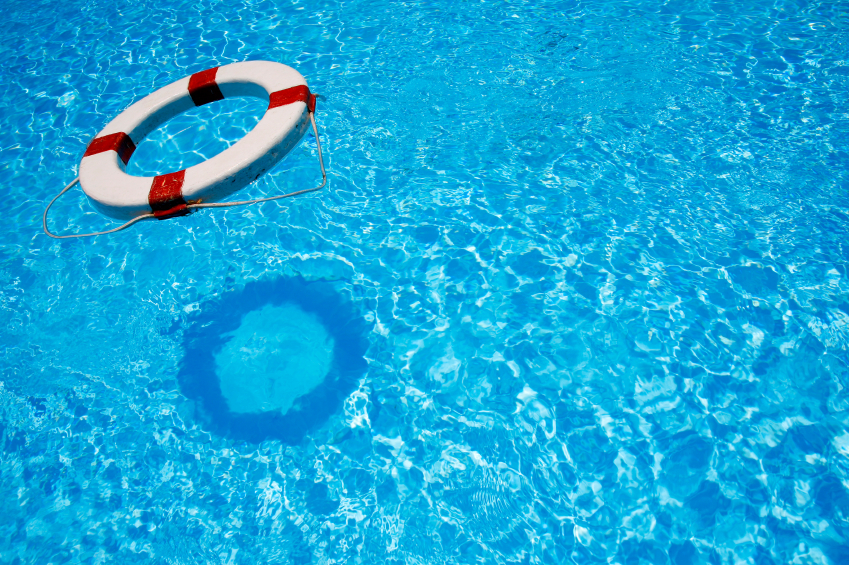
209,331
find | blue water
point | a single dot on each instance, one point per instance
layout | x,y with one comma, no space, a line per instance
591,258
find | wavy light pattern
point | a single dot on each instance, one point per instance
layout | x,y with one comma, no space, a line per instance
599,249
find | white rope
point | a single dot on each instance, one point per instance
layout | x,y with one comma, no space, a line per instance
191,206
54,236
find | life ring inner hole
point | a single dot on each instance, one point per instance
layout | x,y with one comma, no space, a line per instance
196,135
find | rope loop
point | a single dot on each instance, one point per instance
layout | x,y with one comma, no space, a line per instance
190,207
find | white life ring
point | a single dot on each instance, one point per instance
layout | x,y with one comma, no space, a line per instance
103,174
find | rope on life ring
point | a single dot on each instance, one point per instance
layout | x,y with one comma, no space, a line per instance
190,206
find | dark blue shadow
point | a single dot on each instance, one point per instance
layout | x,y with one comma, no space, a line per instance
203,340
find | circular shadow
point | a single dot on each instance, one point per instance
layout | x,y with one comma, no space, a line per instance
210,329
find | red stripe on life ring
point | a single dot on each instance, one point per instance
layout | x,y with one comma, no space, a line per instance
292,95
203,89
166,196
119,142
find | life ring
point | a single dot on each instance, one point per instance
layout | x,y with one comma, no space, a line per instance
115,193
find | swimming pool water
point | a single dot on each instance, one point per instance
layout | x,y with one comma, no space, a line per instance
598,251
